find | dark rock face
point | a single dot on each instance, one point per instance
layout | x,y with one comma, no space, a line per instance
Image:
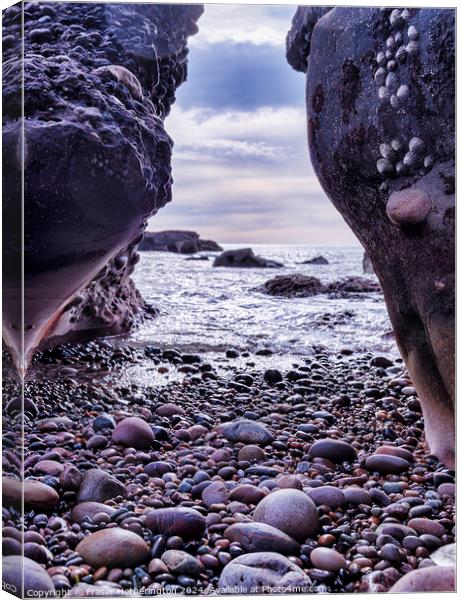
380,107
244,258
182,242
98,81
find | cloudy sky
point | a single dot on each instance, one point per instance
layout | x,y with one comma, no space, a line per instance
240,162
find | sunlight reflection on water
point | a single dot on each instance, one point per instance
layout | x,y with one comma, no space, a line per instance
203,308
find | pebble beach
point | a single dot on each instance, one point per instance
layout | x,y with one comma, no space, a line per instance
229,478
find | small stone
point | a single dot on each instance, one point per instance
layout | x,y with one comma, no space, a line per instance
262,471
184,522
113,547
393,487
215,493
289,481
52,423
272,376
381,361
396,530
221,455
49,467
169,410
103,421
247,432
327,495
427,579
262,572
89,509
260,537
99,486
158,468
422,526
355,495
247,493
327,559
396,451
251,454
385,463
133,432
390,552
291,511
96,442
336,451
447,489
70,478
157,566
181,563
40,35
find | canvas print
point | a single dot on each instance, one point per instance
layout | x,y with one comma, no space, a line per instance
228,299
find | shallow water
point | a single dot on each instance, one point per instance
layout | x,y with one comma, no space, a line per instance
205,308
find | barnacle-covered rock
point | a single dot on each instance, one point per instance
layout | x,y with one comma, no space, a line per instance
354,116
99,79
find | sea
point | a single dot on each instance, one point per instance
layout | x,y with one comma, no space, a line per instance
211,309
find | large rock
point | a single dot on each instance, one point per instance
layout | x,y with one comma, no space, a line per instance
36,582
336,451
113,547
289,510
427,579
263,572
89,510
445,556
36,495
99,79
133,432
99,486
176,521
244,258
260,537
182,242
247,432
386,463
181,563
371,74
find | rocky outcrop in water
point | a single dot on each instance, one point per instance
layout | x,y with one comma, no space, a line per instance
381,111
182,242
317,260
99,79
296,285
244,258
